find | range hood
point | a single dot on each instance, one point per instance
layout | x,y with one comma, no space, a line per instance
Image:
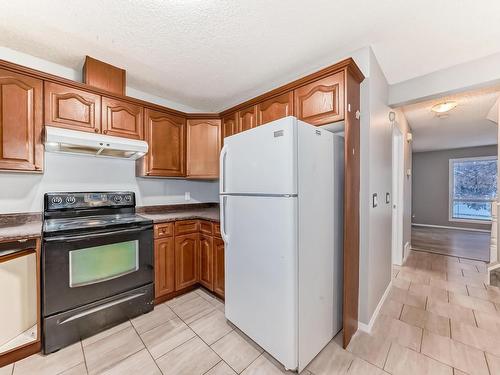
91,144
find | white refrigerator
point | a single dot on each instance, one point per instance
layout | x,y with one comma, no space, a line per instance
281,221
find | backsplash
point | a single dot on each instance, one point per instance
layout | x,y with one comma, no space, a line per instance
21,192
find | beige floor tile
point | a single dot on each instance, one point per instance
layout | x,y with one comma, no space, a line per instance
222,368
401,283
406,297
54,363
7,370
454,354
472,281
398,331
211,327
488,321
454,312
450,286
490,293
482,339
194,357
424,319
107,352
237,350
204,294
472,303
138,363
404,361
370,348
158,316
413,276
80,369
181,299
193,309
458,372
331,360
106,333
218,304
166,337
493,363
266,365
429,291
391,308
360,367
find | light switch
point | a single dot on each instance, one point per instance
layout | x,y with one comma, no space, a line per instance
375,200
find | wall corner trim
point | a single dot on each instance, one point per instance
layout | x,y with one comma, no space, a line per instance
367,328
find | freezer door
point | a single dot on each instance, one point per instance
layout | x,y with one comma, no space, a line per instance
261,271
261,160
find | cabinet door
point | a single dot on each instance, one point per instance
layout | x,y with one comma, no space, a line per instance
20,122
218,266
247,118
203,148
122,119
206,259
275,108
66,107
164,266
321,102
166,136
229,125
186,260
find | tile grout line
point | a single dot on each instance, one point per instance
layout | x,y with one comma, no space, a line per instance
84,357
145,346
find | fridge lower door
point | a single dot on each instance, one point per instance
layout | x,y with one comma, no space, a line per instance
261,271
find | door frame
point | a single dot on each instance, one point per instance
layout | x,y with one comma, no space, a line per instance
397,203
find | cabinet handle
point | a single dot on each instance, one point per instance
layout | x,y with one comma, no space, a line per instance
96,130
105,132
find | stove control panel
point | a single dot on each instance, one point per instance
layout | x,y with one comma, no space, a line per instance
64,201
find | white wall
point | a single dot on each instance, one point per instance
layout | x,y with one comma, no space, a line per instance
23,192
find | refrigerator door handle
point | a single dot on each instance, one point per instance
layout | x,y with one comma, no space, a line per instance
223,232
222,167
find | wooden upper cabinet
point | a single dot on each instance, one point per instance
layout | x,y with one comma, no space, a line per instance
164,266
122,119
186,260
203,148
166,136
218,267
104,76
66,107
247,118
275,108
229,125
205,261
321,102
21,109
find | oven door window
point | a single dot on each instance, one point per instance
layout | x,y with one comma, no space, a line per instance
93,265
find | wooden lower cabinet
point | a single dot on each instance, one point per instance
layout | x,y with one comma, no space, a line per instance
186,260
218,267
164,266
206,261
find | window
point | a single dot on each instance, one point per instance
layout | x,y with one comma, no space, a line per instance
473,187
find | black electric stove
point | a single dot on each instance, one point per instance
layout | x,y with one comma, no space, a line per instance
97,264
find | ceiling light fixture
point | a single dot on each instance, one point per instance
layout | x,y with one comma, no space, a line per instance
444,107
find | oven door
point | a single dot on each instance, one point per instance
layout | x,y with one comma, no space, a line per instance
86,267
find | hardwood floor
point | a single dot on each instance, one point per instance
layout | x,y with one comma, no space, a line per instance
460,243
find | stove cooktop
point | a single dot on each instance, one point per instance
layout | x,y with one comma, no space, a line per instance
92,222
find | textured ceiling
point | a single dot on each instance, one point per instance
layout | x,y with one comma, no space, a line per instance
467,125
211,54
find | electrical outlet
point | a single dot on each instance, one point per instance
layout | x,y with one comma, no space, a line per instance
187,196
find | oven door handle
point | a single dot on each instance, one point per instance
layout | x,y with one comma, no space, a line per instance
70,238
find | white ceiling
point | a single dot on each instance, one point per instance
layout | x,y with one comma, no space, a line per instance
467,125
211,54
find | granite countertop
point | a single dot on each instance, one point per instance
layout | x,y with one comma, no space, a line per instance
20,226
163,214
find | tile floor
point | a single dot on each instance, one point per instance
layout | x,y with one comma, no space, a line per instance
439,318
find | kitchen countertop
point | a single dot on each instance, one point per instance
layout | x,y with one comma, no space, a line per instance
20,226
163,214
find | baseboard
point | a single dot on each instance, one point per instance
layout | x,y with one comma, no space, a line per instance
367,328
446,227
406,251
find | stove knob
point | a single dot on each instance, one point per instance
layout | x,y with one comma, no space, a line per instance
128,198
56,200
117,198
70,200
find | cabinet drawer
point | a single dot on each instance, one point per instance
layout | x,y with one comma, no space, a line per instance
206,227
186,227
217,230
164,230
